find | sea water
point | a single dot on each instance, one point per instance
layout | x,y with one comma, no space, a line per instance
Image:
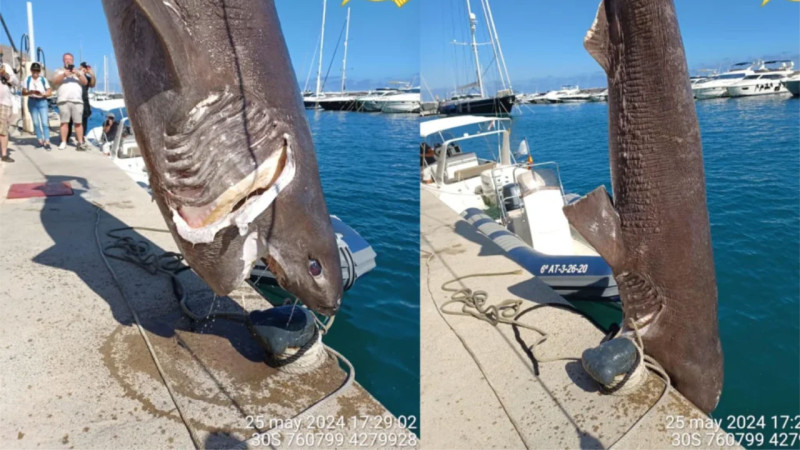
370,177
751,150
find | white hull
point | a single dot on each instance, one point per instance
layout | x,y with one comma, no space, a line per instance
763,88
712,92
400,107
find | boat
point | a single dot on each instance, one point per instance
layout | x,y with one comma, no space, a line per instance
565,91
715,85
600,96
538,98
579,97
479,103
355,254
792,84
466,162
404,102
340,102
502,104
764,81
372,101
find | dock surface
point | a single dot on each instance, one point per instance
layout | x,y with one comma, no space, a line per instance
478,385
75,370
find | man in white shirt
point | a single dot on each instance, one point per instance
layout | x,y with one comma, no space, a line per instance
8,79
70,84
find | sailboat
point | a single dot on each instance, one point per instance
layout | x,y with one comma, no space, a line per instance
311,100
480,103
332,101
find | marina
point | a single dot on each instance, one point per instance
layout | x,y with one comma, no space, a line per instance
598,246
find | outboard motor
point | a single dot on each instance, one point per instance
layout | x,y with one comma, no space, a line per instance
512,199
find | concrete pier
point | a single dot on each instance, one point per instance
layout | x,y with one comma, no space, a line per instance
75,370
478,385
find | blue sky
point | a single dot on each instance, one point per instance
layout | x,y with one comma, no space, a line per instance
383,45
542,40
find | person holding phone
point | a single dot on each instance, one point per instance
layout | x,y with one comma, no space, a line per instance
70,82
91,81
8,80
37,88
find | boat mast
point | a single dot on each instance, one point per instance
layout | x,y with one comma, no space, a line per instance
105,74
346,35
472,26
321,41
494,44
496,39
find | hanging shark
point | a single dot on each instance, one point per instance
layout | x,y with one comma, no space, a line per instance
655,233
213,99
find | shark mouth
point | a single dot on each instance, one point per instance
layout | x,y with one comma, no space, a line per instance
241,203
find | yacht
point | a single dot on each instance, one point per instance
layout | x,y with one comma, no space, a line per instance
565,91
716,86
792,83
404,102
466,162
765,81
372,101
600,96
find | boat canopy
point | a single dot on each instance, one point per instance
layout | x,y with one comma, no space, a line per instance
109,105
435,126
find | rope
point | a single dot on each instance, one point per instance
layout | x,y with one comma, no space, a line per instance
195,441
140,254
655,366
517,426
473,303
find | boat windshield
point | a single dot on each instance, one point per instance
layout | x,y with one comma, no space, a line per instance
753,77
486,148
731,76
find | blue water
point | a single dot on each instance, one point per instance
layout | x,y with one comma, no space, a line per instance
370,177
751,150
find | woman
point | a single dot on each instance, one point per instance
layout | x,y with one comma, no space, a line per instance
37,88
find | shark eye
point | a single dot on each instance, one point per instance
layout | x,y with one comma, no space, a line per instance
314,267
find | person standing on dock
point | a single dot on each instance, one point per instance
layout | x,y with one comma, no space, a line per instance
8,79
87,71
37,88
70,84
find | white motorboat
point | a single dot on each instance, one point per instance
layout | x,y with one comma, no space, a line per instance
601,96
539,98
792,84
716,85
406,102
763,82
372,102
466,162
565,91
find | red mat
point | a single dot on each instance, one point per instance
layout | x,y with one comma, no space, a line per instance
28,190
